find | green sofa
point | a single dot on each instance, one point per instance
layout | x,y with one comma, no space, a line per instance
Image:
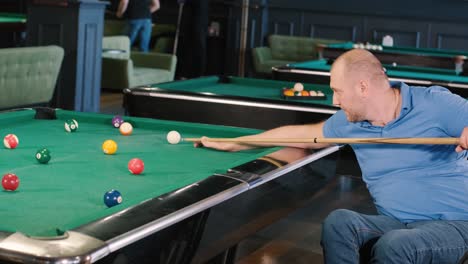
124,69
28,75
282,50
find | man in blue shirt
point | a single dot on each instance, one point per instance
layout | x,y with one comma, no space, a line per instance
420,191
138,13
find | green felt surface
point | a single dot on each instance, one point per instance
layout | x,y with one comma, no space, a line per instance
412,72
245,87
68,191
12,18
407,50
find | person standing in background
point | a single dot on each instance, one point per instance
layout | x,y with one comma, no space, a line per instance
138,14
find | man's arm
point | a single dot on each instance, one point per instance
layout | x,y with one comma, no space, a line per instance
122,8
154,6
296,131
463,141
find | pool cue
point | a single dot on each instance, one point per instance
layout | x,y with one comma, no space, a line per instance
243,37
412,141
179,18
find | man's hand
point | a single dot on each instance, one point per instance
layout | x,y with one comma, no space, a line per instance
223,146
463,141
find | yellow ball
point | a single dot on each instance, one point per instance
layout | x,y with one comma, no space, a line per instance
109,147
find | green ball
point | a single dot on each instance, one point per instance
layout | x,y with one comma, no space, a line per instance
71,125
43,155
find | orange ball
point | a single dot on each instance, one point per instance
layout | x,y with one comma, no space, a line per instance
288,93
126,129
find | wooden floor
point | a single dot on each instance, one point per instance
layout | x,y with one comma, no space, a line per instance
295,239
111,103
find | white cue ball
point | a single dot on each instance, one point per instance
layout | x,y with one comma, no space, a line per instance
298,87
173,137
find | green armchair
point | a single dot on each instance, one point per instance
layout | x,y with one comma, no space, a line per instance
28,75
124,69
282,50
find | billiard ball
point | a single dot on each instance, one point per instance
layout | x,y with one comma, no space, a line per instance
71,125
43,155
173,137
10,182
136,166
10,141
117,121
126,129
112,198
109,147
298,87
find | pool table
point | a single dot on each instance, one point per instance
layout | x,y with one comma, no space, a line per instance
58,215
409,56
12,28
232,101
318,71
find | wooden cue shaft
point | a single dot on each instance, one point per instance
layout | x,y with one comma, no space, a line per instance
418,141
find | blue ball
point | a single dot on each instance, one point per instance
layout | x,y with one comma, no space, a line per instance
112,198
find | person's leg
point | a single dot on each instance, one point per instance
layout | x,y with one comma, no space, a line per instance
145,34
345,232
132,30
423,242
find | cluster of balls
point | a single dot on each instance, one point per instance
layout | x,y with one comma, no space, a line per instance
10,181
298,90
109,147
125,128
367,46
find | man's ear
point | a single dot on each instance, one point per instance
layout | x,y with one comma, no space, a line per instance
363,87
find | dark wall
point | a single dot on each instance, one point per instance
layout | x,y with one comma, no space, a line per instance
416,23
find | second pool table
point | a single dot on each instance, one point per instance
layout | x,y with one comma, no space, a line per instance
401,55
12,29
233,101
318,71
57,214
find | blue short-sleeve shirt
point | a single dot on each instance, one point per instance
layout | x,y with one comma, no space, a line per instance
414,182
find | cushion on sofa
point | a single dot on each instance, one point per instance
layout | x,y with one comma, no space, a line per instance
144,76
28,75
292,48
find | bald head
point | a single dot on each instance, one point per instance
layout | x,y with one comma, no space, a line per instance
359,64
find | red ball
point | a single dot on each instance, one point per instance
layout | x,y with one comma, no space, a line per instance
10,182
10,141
136,166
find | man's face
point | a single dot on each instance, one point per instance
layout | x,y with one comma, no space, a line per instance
346,94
